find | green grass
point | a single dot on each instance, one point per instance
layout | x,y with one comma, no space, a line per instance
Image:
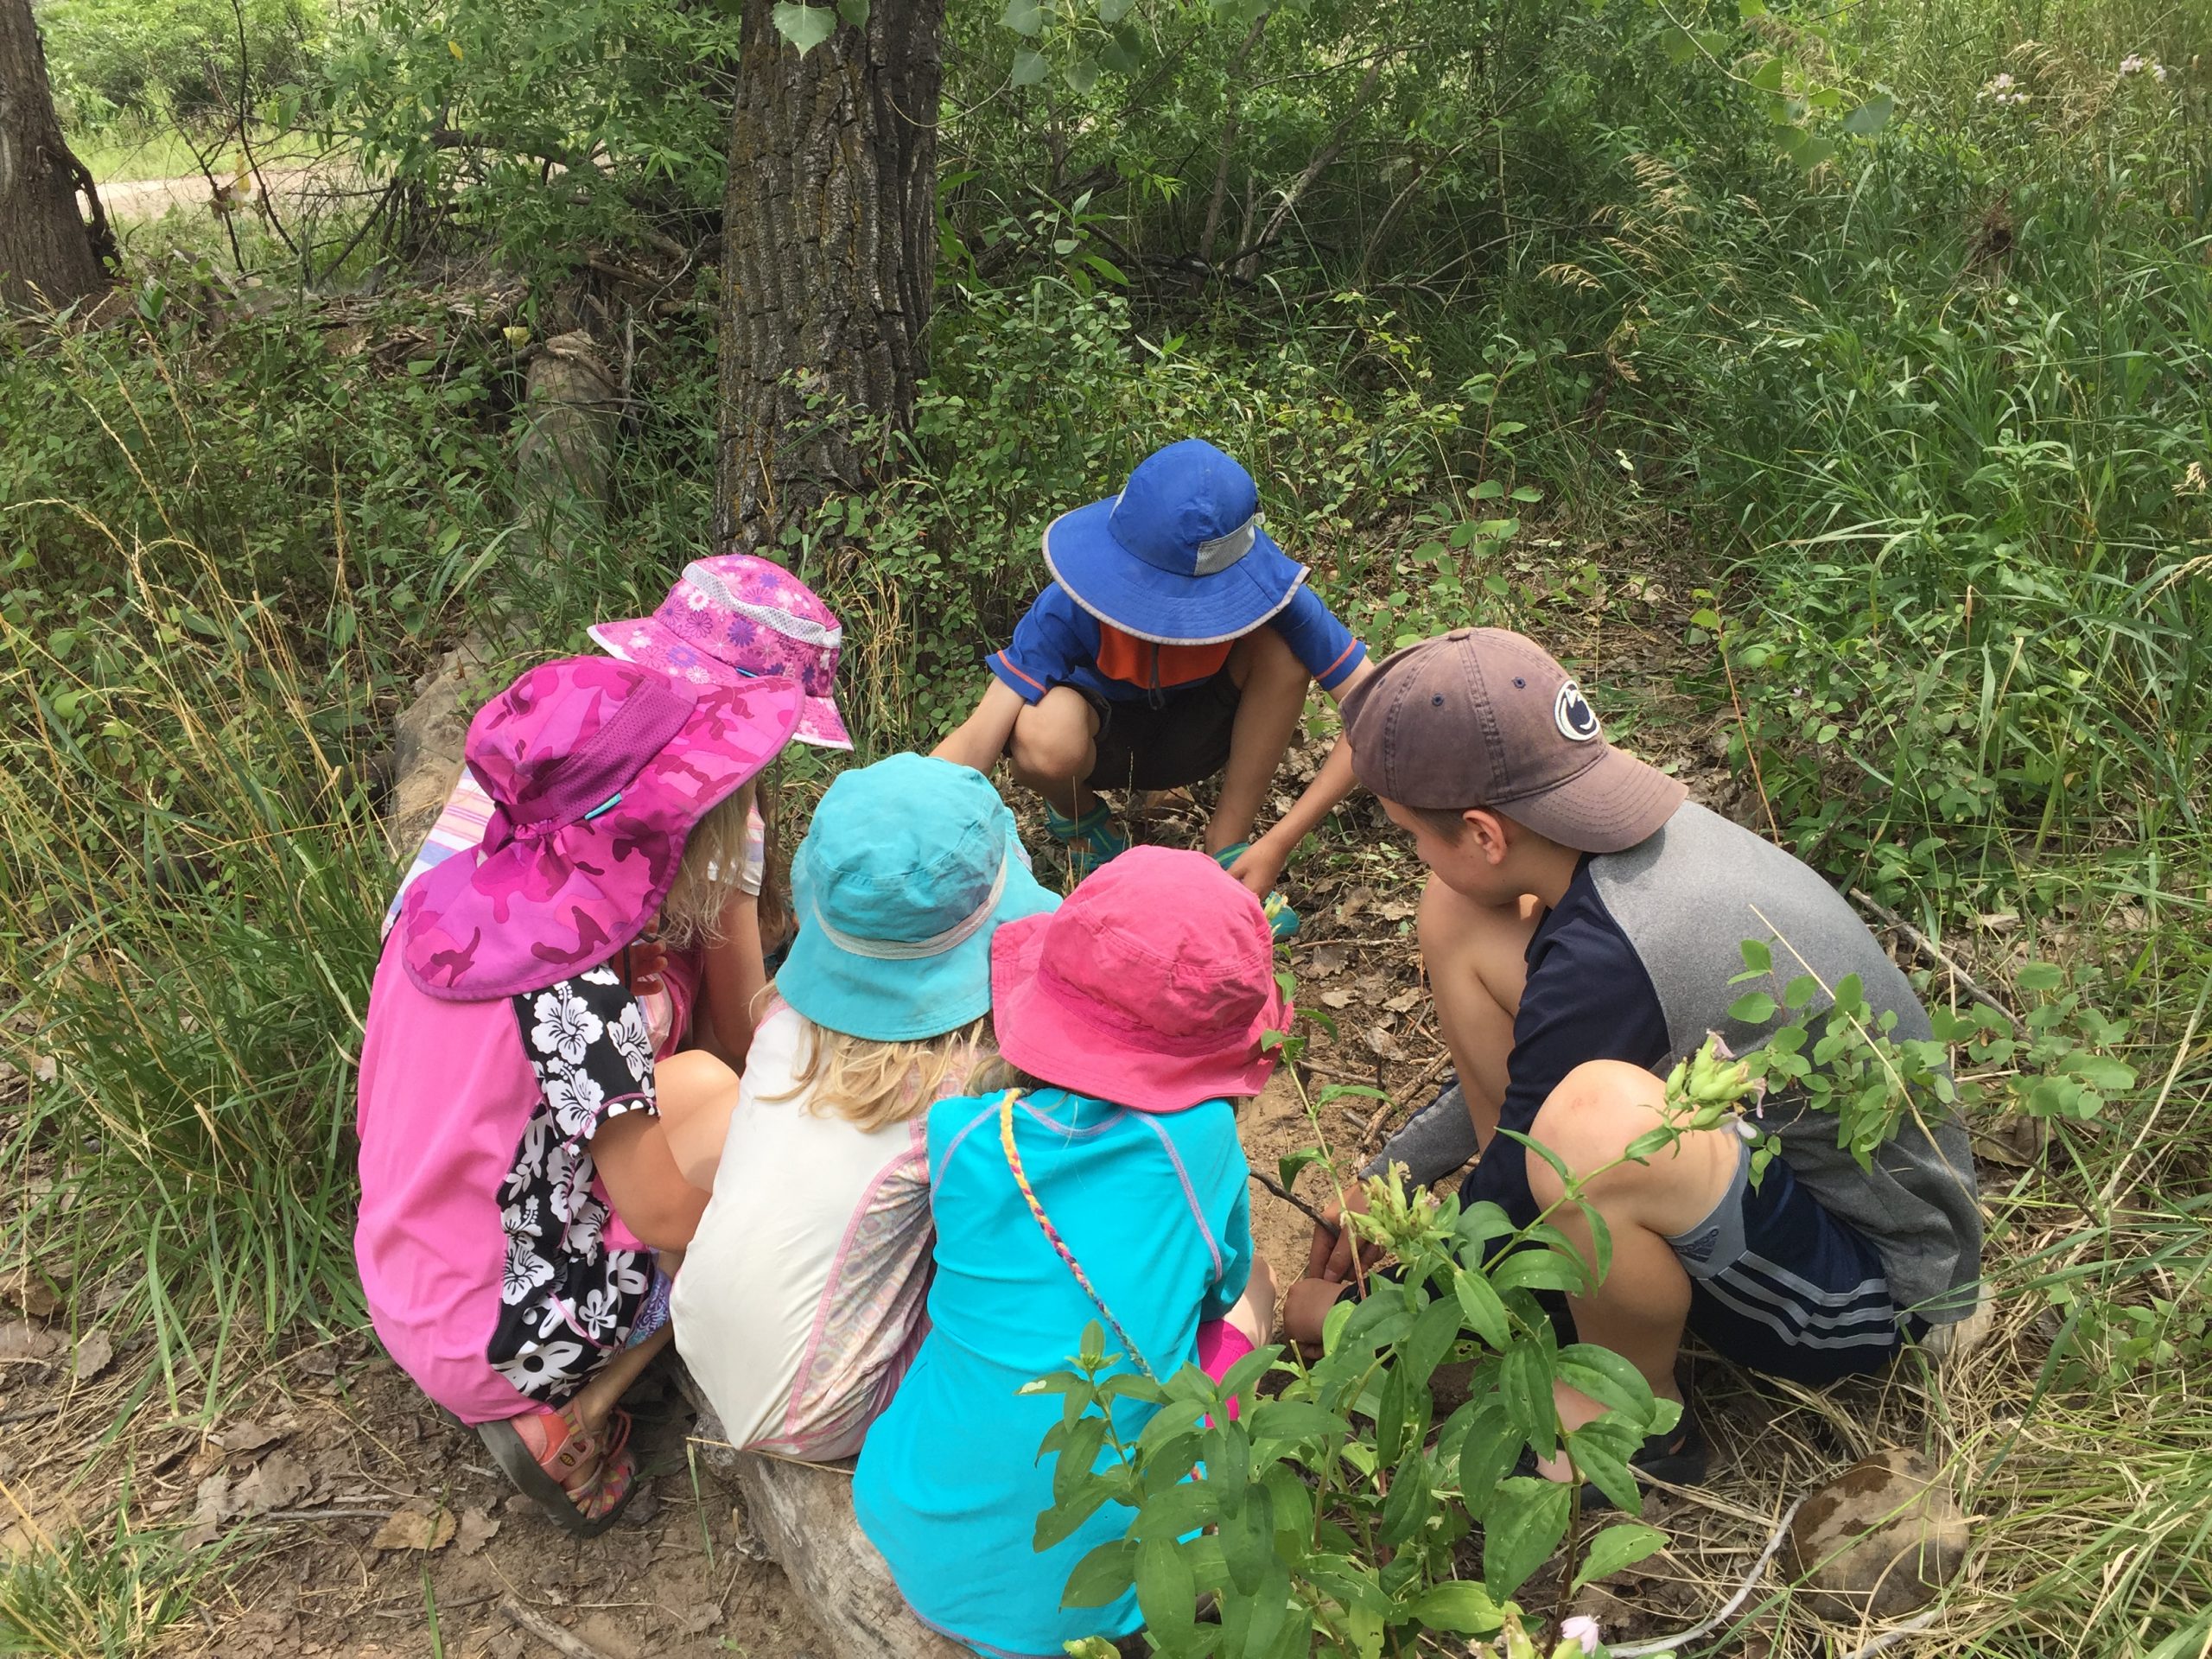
1922,427
87,1597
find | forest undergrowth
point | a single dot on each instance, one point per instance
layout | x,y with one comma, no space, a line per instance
1873,497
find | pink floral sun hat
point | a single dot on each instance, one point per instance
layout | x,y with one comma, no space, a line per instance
597,770
1151,986
733,617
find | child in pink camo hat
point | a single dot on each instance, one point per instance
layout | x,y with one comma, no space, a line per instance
727,619
1108,1187
516,1176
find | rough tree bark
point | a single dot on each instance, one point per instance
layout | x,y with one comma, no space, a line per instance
830,247
48,256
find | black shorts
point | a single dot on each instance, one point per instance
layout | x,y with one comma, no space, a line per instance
1183,740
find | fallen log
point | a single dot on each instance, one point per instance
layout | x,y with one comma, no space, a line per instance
803,1513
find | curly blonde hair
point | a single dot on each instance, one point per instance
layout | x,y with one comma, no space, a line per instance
871,1084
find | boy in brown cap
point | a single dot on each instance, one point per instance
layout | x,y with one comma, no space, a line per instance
1580,926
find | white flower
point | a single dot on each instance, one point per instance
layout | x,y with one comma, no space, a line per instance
601,1309
634,1041
2158,74
575,1097
525,1269
2000,83
625,1271
1583,1629
585,1227
548,1362
566,1026
2133,64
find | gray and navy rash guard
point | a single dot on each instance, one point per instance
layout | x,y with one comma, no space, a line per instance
1633,963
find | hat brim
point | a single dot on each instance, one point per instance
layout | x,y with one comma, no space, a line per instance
1121,589
1040,1035
651,644
903,1001
1607,807
548,908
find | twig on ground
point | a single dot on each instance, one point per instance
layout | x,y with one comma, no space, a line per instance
24,1414
1289,1197
1891,1637
1668,1644
1936,953
322,1514
561,1642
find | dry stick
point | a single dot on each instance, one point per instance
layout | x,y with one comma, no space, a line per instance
1289,1197
1936,953
1744,728
561,1642
1666,1644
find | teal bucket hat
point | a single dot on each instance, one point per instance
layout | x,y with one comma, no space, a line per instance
905,873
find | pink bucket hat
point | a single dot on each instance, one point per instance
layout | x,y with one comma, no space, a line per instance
733,617
597,770
1151,986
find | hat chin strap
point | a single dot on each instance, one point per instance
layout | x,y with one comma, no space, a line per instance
915,949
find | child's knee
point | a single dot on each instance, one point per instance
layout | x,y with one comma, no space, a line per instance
691,1079
1051,738
1589,1120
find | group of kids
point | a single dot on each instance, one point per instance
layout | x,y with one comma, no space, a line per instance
872,1193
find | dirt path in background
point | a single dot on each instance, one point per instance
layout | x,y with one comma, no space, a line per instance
291,188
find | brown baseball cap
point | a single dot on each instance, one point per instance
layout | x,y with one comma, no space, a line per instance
1486,717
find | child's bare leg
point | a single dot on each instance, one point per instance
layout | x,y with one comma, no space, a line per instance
696,1094
1254,1312
612,1380
1476,958
1271,695
1638,1309
1054,748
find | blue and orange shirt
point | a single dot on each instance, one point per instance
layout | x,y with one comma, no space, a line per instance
1059,643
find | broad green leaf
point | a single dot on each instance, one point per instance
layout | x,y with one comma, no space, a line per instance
1248,1538
2040,977
1871,116
1166,1592
1184,1507
2100,1071
1521,1529
1081,73
1754,1010
853,12
1102,1575
1616,1547
1112,12
1296,1420
1024,18
1291,1165
1061,1522
1435,1329
1463,1609
1480,1306
1602,1460
1029,68
1524,1383
1406,1511
804,27
1758,958
1540,1270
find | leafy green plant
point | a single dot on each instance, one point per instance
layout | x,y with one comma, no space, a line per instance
1330,1514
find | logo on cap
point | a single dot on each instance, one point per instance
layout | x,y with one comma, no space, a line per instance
1571,712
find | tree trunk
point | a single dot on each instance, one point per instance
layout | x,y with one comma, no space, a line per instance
46,254
829,248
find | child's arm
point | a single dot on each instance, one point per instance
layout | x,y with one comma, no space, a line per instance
737,972
980,740
1262,866
643,1183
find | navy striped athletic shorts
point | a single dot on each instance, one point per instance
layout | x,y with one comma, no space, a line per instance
1780,1286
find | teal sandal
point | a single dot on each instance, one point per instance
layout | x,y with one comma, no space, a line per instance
1282,920
1089,840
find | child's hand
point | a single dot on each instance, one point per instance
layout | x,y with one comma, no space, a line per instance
1306,1309
1329,1256
1259,868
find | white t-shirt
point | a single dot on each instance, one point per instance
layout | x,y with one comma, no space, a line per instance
800,1302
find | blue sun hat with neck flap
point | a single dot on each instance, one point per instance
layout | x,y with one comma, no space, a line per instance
1180,557
904,876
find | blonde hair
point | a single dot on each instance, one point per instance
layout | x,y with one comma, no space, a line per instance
710,876
871,1084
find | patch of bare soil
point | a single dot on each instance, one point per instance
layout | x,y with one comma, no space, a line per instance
354,1520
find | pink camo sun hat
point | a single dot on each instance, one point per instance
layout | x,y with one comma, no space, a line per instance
1151,986
733,617
597,770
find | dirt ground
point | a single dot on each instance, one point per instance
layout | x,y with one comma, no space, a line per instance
358,1523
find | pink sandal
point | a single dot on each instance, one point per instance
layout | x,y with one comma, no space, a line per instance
581,1481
